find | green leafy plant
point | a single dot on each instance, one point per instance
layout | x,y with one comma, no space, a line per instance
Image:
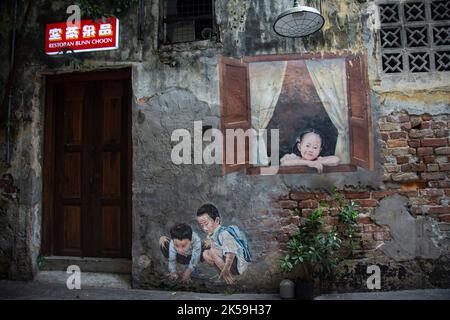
313,248
100,9
347,215
41,261
318,249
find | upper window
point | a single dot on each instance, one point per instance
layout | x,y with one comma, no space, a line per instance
187,20
415,36
319,106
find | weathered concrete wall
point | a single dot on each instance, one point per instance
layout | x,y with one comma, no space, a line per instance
166,98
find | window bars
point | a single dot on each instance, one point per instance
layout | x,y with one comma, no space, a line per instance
187,20
415,36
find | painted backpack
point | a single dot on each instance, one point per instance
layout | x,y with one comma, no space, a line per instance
239,237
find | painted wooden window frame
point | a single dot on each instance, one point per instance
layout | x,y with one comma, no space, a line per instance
235,91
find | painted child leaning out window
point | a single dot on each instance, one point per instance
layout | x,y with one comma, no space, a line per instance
306,152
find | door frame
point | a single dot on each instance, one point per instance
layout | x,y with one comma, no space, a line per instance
49,157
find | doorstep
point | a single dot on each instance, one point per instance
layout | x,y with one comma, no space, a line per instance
98,265
87,279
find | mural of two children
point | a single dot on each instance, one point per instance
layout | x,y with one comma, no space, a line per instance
224,248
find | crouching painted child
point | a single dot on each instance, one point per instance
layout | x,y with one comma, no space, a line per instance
227,248
184,248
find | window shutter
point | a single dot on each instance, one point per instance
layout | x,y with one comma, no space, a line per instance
235,107
360,120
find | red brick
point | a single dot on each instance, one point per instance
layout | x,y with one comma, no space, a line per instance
432,192
364,219
383,194
433,175
367,203
310,204
414,143
307,212
368,228
444,166
438,125
442,150
402,160
439,209
432,167
397,143
295,220
398,135
399,152
392,168
425,125
381,236
408,193
441,133
415,121
357,195
405,176
384,136
426,117
288,204
400,118
444,217
320,196
405,126
403,118
389,127
413,167
436,142
429,159
426,133
444,184
425,151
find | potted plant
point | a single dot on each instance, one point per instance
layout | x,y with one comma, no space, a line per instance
316,248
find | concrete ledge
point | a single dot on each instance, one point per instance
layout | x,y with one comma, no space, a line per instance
88,279
103,265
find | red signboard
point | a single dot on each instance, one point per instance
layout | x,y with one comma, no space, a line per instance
89,36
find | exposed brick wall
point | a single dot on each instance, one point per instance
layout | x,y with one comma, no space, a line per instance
416,149
415,154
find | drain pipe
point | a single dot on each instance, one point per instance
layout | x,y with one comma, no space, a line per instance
8,119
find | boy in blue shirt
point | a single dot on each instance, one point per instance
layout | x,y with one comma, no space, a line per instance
185,248
228,249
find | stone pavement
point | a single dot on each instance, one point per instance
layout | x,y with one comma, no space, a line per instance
46,291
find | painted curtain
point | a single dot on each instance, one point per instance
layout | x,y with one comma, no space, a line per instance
265,87
329,78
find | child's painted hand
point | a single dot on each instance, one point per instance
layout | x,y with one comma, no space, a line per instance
226,276
317,165
187,276
173,276
207,243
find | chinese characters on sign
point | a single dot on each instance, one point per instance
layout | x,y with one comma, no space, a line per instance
89,36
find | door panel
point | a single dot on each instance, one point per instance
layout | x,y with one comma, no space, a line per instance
91,195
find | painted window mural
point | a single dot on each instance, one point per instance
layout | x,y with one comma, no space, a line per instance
307,101
222,249
320,106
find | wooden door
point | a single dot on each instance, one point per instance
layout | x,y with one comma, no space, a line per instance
88,214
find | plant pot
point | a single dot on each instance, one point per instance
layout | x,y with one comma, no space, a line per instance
304,290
